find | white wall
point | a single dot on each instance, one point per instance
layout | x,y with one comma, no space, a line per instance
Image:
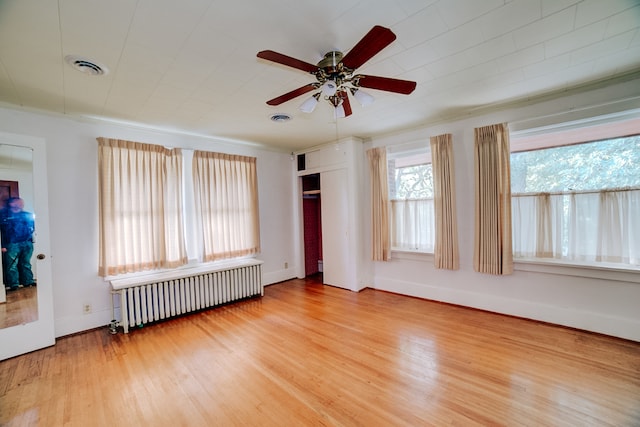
72,165
605,302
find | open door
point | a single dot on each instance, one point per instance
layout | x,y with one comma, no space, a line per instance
23,159
335,229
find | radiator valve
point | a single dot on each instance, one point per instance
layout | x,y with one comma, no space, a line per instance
113,327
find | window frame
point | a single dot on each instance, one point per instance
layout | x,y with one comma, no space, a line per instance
406,151
592,129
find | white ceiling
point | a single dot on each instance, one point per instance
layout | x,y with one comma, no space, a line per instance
191,65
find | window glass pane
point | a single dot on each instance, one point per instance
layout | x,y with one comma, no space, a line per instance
612,163
578,202
411,195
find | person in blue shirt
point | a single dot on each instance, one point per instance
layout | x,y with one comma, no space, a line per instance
17,227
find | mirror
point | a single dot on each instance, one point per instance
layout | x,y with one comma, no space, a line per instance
18,303
26,313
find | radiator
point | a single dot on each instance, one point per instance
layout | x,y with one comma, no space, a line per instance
153,297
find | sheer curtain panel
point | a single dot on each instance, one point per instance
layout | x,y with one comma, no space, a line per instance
140,207
590,226
446,253
226,196
380,243
492,243
413,224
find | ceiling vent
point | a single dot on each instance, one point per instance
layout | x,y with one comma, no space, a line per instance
280,118
86,66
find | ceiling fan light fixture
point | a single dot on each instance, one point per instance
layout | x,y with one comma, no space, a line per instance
339,112
310,104
362,97
329,88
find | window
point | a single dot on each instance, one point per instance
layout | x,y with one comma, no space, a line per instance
411,197
578,202
155,213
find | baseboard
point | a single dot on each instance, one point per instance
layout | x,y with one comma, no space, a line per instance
83,322
278,276
564,316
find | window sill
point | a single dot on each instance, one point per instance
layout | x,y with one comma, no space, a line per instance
406,254
191,266
608,271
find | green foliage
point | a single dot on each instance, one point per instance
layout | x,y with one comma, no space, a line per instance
613,163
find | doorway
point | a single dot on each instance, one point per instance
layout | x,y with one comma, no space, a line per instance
312,219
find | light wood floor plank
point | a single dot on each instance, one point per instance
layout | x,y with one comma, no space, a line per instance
312,355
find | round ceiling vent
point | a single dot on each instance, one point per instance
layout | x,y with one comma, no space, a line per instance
280,118
86,66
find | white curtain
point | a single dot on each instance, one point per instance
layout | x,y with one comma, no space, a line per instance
140,207
413,223
597,226
226,195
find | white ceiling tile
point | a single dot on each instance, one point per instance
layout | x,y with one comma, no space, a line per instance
605,47
458,12
99,39
418,75
136,58
623,21
459,39
185,78
388,68
362,17
636,39
577,39
550,7
123,105
512,16
450,64
491,49
545,29
590,11
412,6
164,24
21,28
420,27
547,67
522,58
417,56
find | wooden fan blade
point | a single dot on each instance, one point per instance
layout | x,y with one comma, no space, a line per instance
373,42
270,55
346,104
293,94
404,87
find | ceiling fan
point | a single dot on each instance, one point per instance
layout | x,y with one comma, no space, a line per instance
335,75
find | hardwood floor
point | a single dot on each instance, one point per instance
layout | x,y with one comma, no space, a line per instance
307,354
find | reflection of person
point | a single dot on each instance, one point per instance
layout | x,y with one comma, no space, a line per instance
16,226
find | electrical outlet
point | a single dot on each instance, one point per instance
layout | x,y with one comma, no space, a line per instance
286,265
86,309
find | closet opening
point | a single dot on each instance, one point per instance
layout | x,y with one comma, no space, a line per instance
312,219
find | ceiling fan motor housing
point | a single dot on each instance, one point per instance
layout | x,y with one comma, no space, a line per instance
332,68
